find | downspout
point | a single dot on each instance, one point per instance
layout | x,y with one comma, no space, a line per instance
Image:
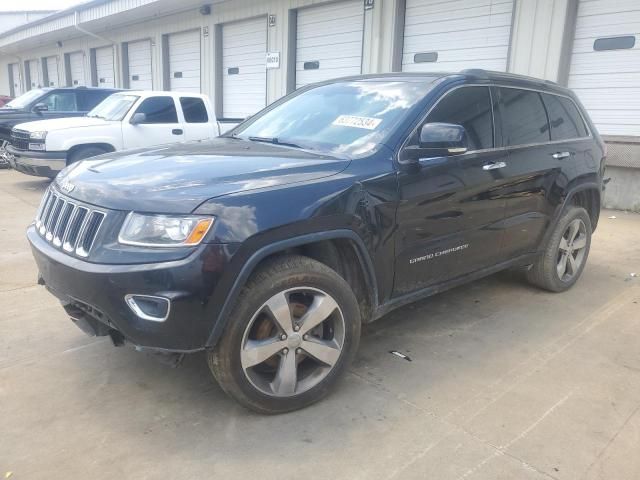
114,45
20,68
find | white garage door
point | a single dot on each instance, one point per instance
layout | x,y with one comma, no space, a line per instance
605,64
458,34
244,47
329,41
35,74
76,66
105,75
14,71
52,72
184,61
140,71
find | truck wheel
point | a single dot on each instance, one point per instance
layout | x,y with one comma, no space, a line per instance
565,255
294,330
84,152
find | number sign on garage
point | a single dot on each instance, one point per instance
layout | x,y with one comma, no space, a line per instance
329,41
455,35
244,47
140,65
184,61
605,64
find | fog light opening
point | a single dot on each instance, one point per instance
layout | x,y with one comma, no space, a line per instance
149,307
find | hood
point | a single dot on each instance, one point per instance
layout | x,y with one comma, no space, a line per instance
54,124
178,178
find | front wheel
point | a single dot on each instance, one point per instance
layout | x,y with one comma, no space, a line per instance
293,332
565,255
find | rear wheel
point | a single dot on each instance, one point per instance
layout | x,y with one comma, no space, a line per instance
565,255
293,332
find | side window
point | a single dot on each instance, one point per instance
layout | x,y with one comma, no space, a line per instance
524,119
471,108
60,102
194,110
90,98
564,118
159,110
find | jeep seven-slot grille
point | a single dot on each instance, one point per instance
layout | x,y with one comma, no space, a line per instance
67,224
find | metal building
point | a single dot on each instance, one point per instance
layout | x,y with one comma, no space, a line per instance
247,53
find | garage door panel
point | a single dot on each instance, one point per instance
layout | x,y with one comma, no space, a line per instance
140,65
244,46
330,35
104,67
184,57
463,33
76,64
52,71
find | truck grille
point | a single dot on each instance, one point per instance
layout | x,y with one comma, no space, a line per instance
67,224
20,139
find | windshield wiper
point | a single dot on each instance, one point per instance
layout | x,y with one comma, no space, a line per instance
274,141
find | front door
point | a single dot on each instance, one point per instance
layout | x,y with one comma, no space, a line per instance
451,208
161,125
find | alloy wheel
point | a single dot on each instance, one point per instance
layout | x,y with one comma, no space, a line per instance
572,249
292,342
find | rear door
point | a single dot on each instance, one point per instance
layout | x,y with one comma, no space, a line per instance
162,125
450,207
531,170
197,124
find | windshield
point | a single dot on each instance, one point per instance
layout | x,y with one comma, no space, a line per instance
114,107
25,100
348,118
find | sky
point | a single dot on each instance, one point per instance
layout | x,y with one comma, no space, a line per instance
7,5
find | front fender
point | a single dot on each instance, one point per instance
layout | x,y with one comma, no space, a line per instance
65,140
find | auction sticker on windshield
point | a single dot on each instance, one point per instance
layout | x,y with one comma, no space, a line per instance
354,121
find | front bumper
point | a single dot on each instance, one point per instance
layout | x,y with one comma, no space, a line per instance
40,164
94,294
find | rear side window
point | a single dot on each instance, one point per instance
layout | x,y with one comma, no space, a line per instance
524,119
159,110
90,98
564,118
471,108
194,110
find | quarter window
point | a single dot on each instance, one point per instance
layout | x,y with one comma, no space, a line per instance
564,118
159,110
194,110
471,108
524,119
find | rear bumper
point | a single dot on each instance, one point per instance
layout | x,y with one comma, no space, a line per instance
40,164
94,294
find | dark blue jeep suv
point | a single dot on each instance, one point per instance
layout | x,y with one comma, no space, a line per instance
270,246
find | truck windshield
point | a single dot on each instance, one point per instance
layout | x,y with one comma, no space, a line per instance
346,118
25,100
114,107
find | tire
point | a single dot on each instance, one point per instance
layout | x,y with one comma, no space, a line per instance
546,272
308,287
83,153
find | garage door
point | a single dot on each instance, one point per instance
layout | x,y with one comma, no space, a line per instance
52,72
605,64
105,76
14,77
454,35
35,75
76,68
140,72
329,41
184,61
244,47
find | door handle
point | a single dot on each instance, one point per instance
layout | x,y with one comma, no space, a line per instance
494,165
561,155
177,131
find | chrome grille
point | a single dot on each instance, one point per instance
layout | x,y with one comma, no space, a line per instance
20,139
67,224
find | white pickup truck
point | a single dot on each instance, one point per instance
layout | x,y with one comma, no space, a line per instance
124,120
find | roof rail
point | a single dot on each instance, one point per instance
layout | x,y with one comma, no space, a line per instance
492,74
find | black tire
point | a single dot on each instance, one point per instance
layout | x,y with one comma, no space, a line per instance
545,272
83,153
284,274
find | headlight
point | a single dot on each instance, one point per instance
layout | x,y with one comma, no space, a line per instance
36,146
38,135
164,230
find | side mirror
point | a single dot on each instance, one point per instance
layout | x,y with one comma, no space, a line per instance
138,118
40,107
443,138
